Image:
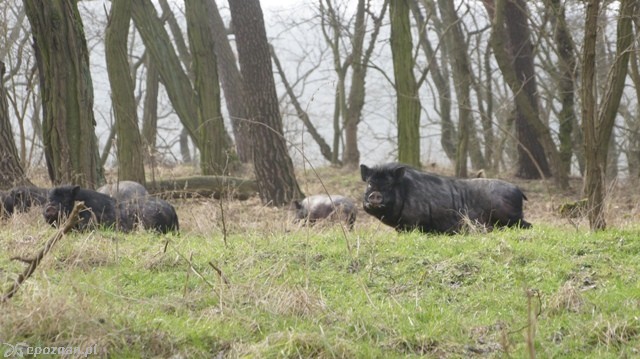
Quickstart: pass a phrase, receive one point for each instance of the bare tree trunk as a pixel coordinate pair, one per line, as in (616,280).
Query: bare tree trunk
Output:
(231,82)
(325,150)
(150,110)
(178,39)
(355,101)
(63,61)
(408,102)
(515,59)
(213,159)
(331,30)
(598,122)
(272,165)
(11,170)
(130,150)
(439,76)
(461,70)
(566,67)
(174,79)
(185,152)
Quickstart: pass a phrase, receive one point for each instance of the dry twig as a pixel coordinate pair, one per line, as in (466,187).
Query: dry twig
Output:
(32,263)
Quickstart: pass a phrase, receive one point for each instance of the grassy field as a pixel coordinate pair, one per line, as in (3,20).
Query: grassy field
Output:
(241,280)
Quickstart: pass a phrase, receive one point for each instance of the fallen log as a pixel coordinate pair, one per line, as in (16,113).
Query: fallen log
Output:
(204,186)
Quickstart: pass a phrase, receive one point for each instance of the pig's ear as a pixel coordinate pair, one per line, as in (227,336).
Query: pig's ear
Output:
(297,204)
(75,190)
(364,172)
(398,173)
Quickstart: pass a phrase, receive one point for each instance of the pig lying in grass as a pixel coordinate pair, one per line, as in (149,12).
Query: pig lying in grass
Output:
(404,198)
(322,206)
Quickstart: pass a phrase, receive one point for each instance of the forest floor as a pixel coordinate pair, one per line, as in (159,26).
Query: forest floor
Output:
(242,280)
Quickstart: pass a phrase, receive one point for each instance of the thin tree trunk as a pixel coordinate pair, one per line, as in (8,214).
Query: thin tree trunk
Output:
(150,111)
(207,87)
(325,150)
(598,122)
(355,101)
(461,70)
(11,170)
(566,66)
(129,143)
(173,77)
(231,82)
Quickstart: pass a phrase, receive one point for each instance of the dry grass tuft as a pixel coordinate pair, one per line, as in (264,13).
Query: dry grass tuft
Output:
(65,319)
(615,333)
(297,345)
(568,298)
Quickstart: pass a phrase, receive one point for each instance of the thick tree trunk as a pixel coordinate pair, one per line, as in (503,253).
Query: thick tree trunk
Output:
(272,165)
(11,170)
(407,100)
(207,87)
(70,143)
(129,143)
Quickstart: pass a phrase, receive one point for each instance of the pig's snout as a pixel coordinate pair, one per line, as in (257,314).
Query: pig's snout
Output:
(375,199)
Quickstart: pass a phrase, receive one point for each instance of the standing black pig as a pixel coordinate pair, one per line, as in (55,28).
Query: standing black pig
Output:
(406,199)
(158,215)
(317,207)
(102,210)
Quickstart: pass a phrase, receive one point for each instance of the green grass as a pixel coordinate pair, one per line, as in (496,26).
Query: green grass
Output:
(300,292)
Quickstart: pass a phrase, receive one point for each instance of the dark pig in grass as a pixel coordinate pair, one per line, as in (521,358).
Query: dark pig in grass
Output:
(158,215)
(23,198)
(6,204)
(406,199)
(102,210)
(321,206)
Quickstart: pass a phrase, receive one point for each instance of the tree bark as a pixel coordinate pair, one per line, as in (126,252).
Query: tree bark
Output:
(205,186)
(172,76)
(129,143)
(325,150)
(407,100)
(150,111)
(511,44)
(11,170)
(207,87)
(355,101)
(461,70)
(70,143)
(272,165)
(231,82)
(598,121)
(566,67)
